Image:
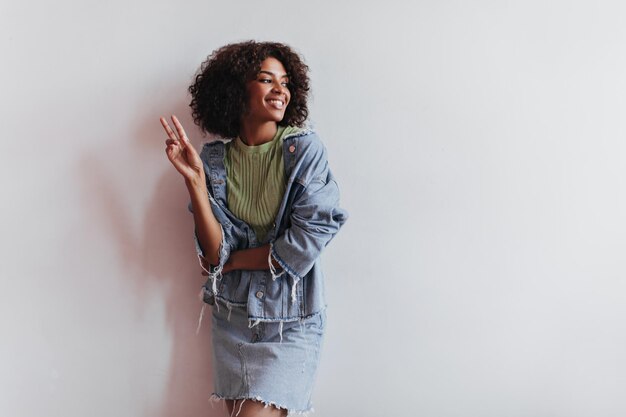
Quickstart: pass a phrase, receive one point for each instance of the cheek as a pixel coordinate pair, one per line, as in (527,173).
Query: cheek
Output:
(256,93)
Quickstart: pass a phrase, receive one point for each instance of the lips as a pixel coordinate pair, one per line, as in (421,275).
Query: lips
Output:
(276,103)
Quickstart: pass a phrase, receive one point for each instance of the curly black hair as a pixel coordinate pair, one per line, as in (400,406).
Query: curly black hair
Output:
(219,94)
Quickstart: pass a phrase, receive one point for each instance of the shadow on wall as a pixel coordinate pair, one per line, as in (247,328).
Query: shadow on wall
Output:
(162,257)
(169,255)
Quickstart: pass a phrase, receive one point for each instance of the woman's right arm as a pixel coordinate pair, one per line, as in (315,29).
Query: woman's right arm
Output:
(207,227)
(187,162)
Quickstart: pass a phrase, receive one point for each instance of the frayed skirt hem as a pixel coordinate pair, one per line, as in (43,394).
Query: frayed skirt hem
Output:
(217,397)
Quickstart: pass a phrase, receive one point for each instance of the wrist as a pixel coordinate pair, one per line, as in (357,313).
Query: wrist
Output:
(233,260)
(196,184)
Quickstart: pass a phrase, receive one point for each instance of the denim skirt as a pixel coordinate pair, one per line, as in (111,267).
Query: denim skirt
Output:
(271,362)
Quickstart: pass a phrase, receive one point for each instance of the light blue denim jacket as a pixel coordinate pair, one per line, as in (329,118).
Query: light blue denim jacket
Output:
(308,218)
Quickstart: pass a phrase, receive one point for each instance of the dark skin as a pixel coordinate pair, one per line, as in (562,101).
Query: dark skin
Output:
(268,99)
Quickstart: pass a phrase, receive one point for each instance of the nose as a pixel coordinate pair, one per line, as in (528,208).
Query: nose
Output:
(277,87)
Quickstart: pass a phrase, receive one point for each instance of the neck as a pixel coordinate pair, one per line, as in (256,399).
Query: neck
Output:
(253,134)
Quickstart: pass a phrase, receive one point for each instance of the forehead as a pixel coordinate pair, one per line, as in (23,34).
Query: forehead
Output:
(273,65)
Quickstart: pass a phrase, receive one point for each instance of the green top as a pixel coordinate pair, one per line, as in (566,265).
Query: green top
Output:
(255,180)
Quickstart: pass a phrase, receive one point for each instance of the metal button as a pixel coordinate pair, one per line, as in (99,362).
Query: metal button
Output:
(292,149)
(259,294)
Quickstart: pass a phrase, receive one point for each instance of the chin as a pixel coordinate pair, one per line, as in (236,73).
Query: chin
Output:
(277,117)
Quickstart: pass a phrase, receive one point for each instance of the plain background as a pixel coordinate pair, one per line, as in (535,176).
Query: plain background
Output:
(479,148)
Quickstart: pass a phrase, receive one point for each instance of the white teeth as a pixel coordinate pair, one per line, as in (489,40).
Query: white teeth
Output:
(277,103)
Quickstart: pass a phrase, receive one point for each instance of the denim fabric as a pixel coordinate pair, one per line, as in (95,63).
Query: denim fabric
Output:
(308,218)
(275,363)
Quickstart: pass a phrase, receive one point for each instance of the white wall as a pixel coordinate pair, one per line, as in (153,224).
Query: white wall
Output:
(479,147)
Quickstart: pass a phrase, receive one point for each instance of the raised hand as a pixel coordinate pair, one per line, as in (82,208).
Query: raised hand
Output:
(181,152)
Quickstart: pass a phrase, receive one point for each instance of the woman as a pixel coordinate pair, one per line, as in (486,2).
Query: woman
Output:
(265,204)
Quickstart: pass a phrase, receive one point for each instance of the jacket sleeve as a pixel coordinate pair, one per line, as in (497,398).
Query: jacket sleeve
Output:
(314,220)
(224,251)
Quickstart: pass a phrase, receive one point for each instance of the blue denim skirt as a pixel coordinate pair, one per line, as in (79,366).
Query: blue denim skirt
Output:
(271,362)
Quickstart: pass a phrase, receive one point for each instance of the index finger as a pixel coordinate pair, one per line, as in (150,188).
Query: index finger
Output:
(168,129)
(179,129)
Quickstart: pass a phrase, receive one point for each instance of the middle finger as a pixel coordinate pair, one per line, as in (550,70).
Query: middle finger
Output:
(179,128)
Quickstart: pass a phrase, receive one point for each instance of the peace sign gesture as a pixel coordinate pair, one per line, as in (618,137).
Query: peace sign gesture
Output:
(182,154)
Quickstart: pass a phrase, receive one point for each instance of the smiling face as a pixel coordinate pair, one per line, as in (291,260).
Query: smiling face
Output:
(268,94)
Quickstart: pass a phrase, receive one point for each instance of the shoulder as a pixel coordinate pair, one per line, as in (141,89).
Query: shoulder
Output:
(306,156)
(214,148)
(305,142)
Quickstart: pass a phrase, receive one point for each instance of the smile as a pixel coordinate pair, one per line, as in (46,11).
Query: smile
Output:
(279,104)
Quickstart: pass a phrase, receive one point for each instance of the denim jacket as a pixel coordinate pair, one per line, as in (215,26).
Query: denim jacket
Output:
(308,218)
